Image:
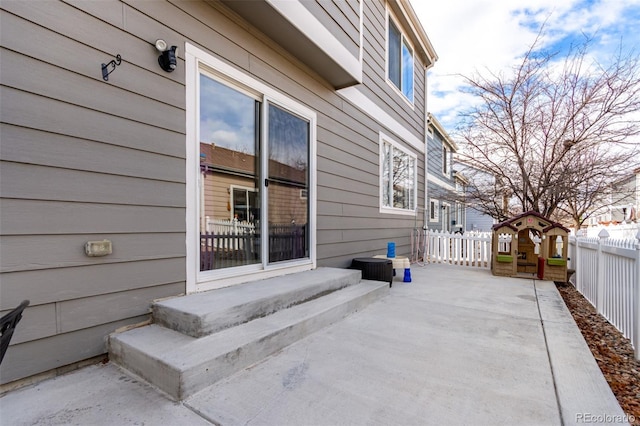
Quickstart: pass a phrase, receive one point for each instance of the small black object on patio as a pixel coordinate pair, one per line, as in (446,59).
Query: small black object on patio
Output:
(374,269)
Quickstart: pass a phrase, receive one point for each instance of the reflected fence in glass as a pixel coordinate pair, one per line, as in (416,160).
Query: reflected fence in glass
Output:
(236,244)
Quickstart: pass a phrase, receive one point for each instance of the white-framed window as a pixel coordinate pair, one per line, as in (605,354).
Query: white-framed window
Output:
(398,178)
(434,207)
(446,160)
(446,216)
(459,213)
(400,62)
(244,203)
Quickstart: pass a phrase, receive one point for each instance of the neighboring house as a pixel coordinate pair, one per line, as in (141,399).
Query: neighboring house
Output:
(625,199)
(302,120)
(445,186)
(476,220)
(623,202)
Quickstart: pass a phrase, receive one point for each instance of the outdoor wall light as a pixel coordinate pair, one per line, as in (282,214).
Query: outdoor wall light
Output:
(167,58)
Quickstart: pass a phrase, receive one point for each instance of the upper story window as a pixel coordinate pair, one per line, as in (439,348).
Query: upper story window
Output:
(400,61)
(398,178)
(446,161)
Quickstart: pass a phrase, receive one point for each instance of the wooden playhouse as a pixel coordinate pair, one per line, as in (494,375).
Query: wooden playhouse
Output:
(530,245)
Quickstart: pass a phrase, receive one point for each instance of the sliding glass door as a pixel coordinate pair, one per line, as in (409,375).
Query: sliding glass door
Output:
(288,185)
(229,176)
(253,153)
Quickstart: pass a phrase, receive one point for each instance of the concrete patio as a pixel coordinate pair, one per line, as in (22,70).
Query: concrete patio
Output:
(455,346)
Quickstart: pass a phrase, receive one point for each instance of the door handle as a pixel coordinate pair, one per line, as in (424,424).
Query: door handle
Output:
(266,183)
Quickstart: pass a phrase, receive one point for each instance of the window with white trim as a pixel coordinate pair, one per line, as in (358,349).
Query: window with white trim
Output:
(434,206)
(398,177)
(446,160)
(399,60)
(459,213)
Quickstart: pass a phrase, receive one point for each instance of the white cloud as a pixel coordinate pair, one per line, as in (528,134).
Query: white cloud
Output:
(489,35)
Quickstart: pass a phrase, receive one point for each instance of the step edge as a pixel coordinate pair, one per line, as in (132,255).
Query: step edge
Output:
(199,325)
(322,319)
(180,381)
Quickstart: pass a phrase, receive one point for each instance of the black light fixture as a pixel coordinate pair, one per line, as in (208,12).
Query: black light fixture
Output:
(167,58)
(113,64)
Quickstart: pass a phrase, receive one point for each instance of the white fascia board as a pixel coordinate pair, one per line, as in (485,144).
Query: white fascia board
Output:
(418,30)
(440,182)
(445,136)
(366,105)
(308,24)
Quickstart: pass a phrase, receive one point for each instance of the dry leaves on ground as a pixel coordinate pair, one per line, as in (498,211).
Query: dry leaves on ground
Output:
(610,348)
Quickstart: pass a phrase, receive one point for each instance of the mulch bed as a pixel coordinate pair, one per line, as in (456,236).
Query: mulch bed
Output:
(610,348)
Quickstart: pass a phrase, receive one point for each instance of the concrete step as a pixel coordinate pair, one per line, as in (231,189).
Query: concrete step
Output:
(181,365)
(201,314)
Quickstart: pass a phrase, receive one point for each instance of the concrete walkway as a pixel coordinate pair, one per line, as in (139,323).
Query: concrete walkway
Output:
(455,346)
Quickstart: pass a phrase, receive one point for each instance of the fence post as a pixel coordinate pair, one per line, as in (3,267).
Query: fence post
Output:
(603,235)
(636,304)
(580,270)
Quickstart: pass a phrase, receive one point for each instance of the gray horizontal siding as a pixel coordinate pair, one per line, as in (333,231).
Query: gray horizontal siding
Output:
(50,183)
(435,160)
(477,221)
(42,286)
(76,314)
(341,19)
(29,252)
(24,359)
(31,75)
(28,217)
(22,145)
(374,71)
(84,159)
(88,160)
(74,29)
(36,112)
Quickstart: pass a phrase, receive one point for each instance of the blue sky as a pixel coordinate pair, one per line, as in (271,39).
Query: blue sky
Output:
(482,35)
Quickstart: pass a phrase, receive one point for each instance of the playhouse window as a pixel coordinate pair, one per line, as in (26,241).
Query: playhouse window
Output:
(504,244)
(556,247)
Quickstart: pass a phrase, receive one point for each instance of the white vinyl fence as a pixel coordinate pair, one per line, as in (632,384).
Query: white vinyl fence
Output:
(608,275)
(469,249)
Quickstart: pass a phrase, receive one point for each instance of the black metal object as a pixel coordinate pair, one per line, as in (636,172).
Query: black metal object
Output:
(8,324)
(168,59)
(374,268)
(113,64)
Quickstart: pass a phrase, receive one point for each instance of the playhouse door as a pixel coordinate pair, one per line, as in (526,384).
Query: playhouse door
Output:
(527,257)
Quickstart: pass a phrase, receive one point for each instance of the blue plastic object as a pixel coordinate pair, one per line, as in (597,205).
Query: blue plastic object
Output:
(391,249)
(407,275)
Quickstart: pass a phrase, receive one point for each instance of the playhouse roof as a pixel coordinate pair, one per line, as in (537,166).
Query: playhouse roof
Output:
(546,226)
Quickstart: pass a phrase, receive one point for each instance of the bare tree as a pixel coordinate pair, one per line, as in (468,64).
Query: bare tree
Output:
(551,132)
